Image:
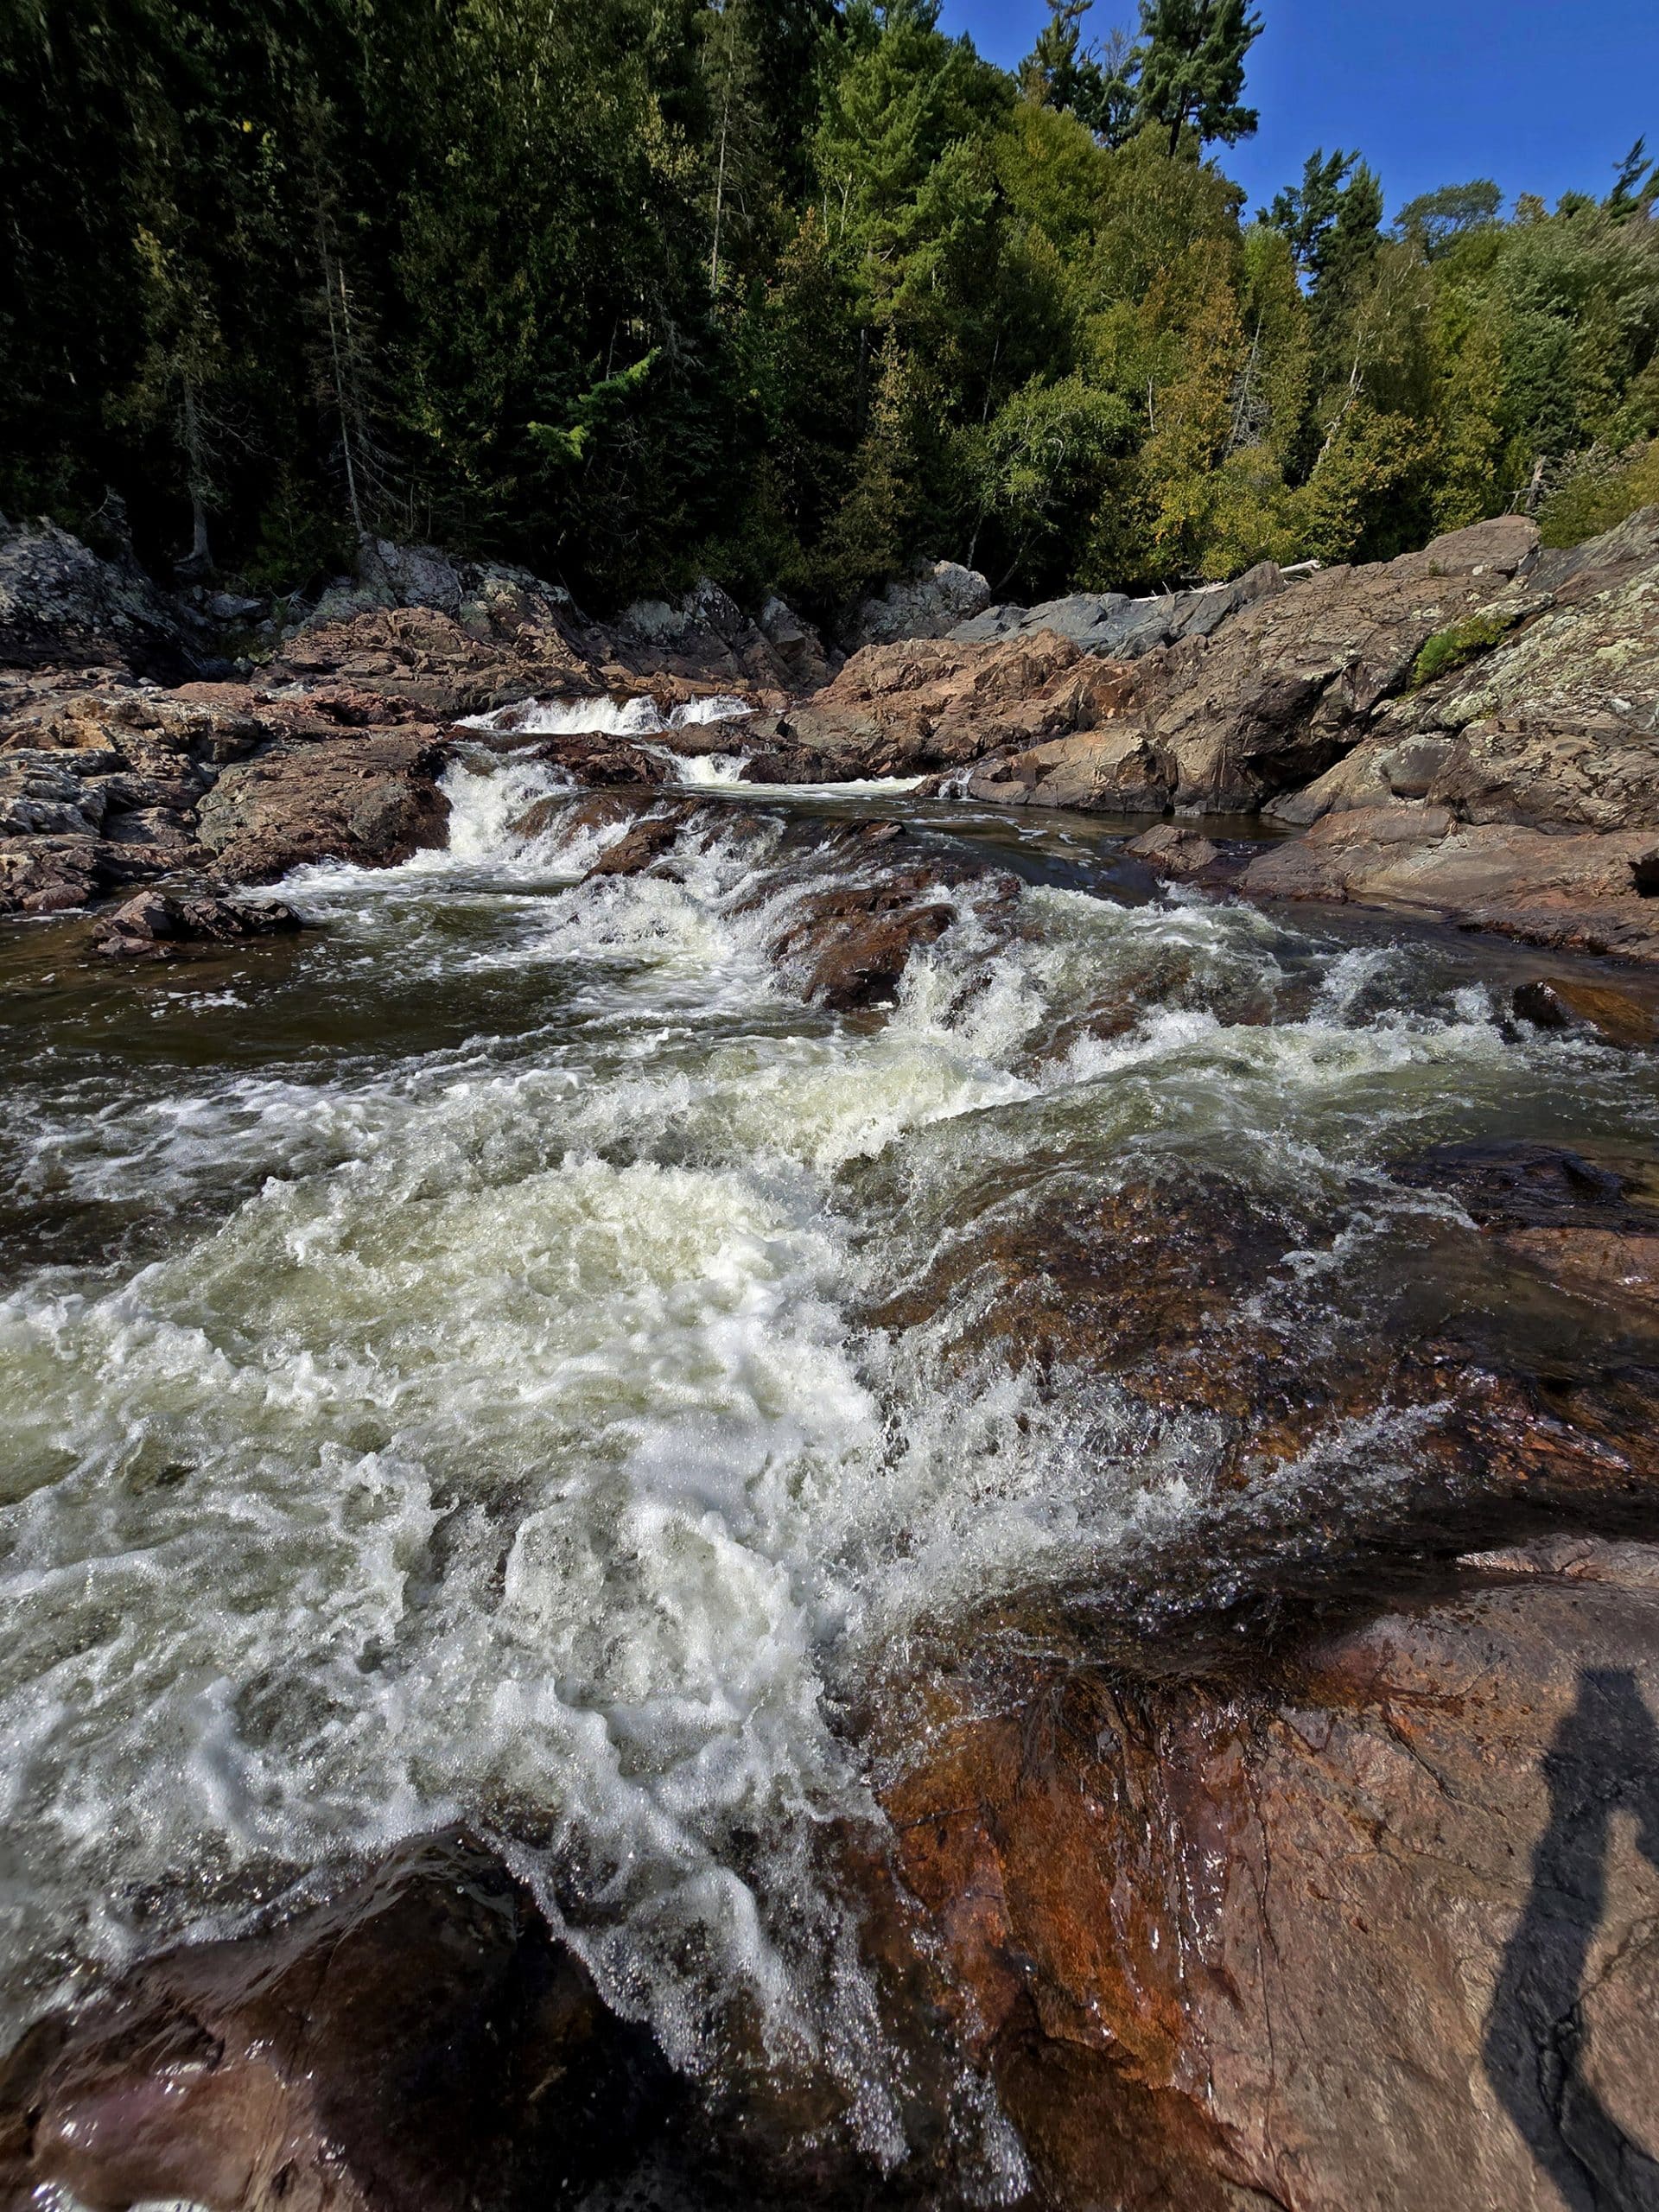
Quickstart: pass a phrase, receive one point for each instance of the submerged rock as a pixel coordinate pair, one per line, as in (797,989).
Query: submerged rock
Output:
(1598,1010)
(1506,1182)
(845,906)
(424,2044)
(161,925)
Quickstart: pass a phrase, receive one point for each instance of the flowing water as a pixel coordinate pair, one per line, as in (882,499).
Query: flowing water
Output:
(476,1363)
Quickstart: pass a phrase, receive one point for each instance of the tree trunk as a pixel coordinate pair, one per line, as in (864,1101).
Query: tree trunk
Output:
(200,557)
(337,354)
(725,127)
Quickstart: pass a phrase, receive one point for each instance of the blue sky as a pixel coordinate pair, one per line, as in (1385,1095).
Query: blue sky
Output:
(1543,95)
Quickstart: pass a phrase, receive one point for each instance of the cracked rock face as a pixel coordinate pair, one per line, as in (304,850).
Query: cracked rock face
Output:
(110,783)
(372,798)
(61,605)
(927,704)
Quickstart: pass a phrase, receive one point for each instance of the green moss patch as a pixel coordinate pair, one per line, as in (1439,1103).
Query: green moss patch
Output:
(1450,649)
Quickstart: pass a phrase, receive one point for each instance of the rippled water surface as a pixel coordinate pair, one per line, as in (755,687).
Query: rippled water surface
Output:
(480,1361)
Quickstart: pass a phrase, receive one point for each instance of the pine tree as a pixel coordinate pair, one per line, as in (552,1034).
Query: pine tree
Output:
(1192,72)
(1635,189)
(1307,213)
(1096,84)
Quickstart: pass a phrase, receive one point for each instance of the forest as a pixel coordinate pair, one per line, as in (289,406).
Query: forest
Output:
(787,292)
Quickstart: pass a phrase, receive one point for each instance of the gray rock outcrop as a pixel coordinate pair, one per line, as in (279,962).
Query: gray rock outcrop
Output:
(62,606)
(929,602)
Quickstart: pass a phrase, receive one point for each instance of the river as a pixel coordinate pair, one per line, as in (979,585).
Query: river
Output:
(504,1358)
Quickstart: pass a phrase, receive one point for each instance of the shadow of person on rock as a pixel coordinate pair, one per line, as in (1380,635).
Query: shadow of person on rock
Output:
(1604,1759)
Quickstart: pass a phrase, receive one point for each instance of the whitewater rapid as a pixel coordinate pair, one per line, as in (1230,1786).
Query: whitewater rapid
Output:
(441,1384)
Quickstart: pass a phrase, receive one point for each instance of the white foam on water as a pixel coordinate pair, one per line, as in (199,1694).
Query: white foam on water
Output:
(601,716)
(596,717)
(703,771)
(719,707)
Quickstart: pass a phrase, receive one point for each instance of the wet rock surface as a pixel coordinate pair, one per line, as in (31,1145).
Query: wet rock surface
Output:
(1466,731)
(426,2041)
(1602,1011)
(1291,1863)
(1583,893)
(1370,1932)
(157,926)
(841,910)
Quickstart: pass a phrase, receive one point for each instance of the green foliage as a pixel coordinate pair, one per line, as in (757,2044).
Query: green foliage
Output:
(1098,85)
(787,291)
(1435,221)
(568,442)
(1464,641)
(1597,498)
(1192,74)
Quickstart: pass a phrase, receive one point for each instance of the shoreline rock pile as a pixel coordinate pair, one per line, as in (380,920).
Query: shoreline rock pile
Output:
(1472,731)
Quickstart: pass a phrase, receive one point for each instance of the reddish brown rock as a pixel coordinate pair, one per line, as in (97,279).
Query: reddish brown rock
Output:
(1586,894)
(932,704)
(428,662)
(159,925)
(1175,852)
(372,800)
(1599,1010)
(49,876)
(424,2046)
(1593,773)
(1278,690)
(1376,1932)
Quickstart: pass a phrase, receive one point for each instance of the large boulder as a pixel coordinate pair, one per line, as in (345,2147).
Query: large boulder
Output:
(797,644)
(1596,773)
(50,875)
(372,798)
(161,925)
(1120,628)
(1376,1930)
(929,602)
(930,704)
(411,576)
(63,607)
(418,661)
(705,633)
(1260,686)
(424,2044)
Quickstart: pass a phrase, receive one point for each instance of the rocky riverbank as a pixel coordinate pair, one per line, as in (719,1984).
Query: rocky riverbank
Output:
(1472,731)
